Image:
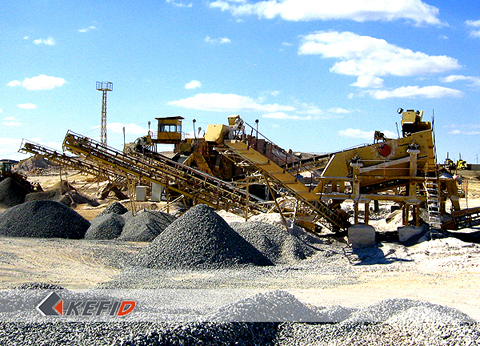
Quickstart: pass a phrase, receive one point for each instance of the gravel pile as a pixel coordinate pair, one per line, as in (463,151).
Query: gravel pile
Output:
(50,195)
(274,306)
(42,219)
(62,192)
(107,226)
(11,193)
(115,207)
(141,334)
(400,310)
(199,239)
(388,322)
(146,225)
(275,242)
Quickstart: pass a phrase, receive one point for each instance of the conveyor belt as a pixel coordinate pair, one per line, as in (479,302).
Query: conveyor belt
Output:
(182,179)
(61,158)
(287,181)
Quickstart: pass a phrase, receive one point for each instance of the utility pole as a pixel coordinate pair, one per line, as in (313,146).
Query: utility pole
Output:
(104,87)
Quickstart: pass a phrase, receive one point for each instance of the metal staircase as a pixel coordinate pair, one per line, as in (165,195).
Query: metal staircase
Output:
(433,204)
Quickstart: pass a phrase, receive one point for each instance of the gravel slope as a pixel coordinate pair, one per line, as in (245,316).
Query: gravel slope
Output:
(42,219)
(199,239)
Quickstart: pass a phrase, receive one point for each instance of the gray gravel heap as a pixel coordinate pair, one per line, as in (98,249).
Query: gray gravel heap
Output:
(11,193)
(115,207)
(199,239)
(50,195)
(388,322)
(42,219)
(146,225)
(141,334)
(274,306)
(390,309)
(275,242)
(107,226)
(62,195)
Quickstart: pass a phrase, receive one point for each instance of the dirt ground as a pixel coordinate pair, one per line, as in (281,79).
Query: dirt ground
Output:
(446,274)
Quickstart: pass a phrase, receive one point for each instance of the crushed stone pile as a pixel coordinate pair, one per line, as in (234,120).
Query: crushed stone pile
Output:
(11,193)
(400,308)
(199,239)
(388,322)
(273,306)
(115,207)
(32,164)
(401,322)
(275,242)
(146,225)
(108,226)
(137,333)
(49,195)
(42,219)
(62,192)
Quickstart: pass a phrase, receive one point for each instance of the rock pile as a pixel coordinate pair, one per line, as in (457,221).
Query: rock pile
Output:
(199,239)
(275,242)
(11,193)
(274,306)
(107,226)
(42,219)
(62,192)
(146,225)
(115,207)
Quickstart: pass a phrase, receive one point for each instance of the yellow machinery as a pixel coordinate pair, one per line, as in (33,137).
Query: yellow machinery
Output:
(401,170)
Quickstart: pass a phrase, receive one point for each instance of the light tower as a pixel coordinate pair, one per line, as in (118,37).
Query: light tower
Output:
(104,87)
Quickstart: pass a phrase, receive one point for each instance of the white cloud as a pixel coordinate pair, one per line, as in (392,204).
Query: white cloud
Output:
(49,41)
(369,56)
(27,106)
(41,82)
(360,134)
(91,27)
(338,110)
(11,123)
(227,102)
(131,128)
(1,110)
(283,116)
(356,10)
(194,84)
(368,82)
(475,33)
(455,78)
(416,91)
(14,83)
(178,4)
(220,40)
(475,24)
(468,133)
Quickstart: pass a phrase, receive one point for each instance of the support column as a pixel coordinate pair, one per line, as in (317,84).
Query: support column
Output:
(367,212)
(356,165)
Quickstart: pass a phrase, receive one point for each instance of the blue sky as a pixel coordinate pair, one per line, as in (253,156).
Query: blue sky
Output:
(320,76)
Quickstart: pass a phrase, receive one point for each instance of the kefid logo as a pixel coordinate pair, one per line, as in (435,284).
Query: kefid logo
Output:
(54,305)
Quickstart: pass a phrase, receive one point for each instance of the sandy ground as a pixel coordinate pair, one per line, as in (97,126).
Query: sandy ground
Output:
(439,271)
